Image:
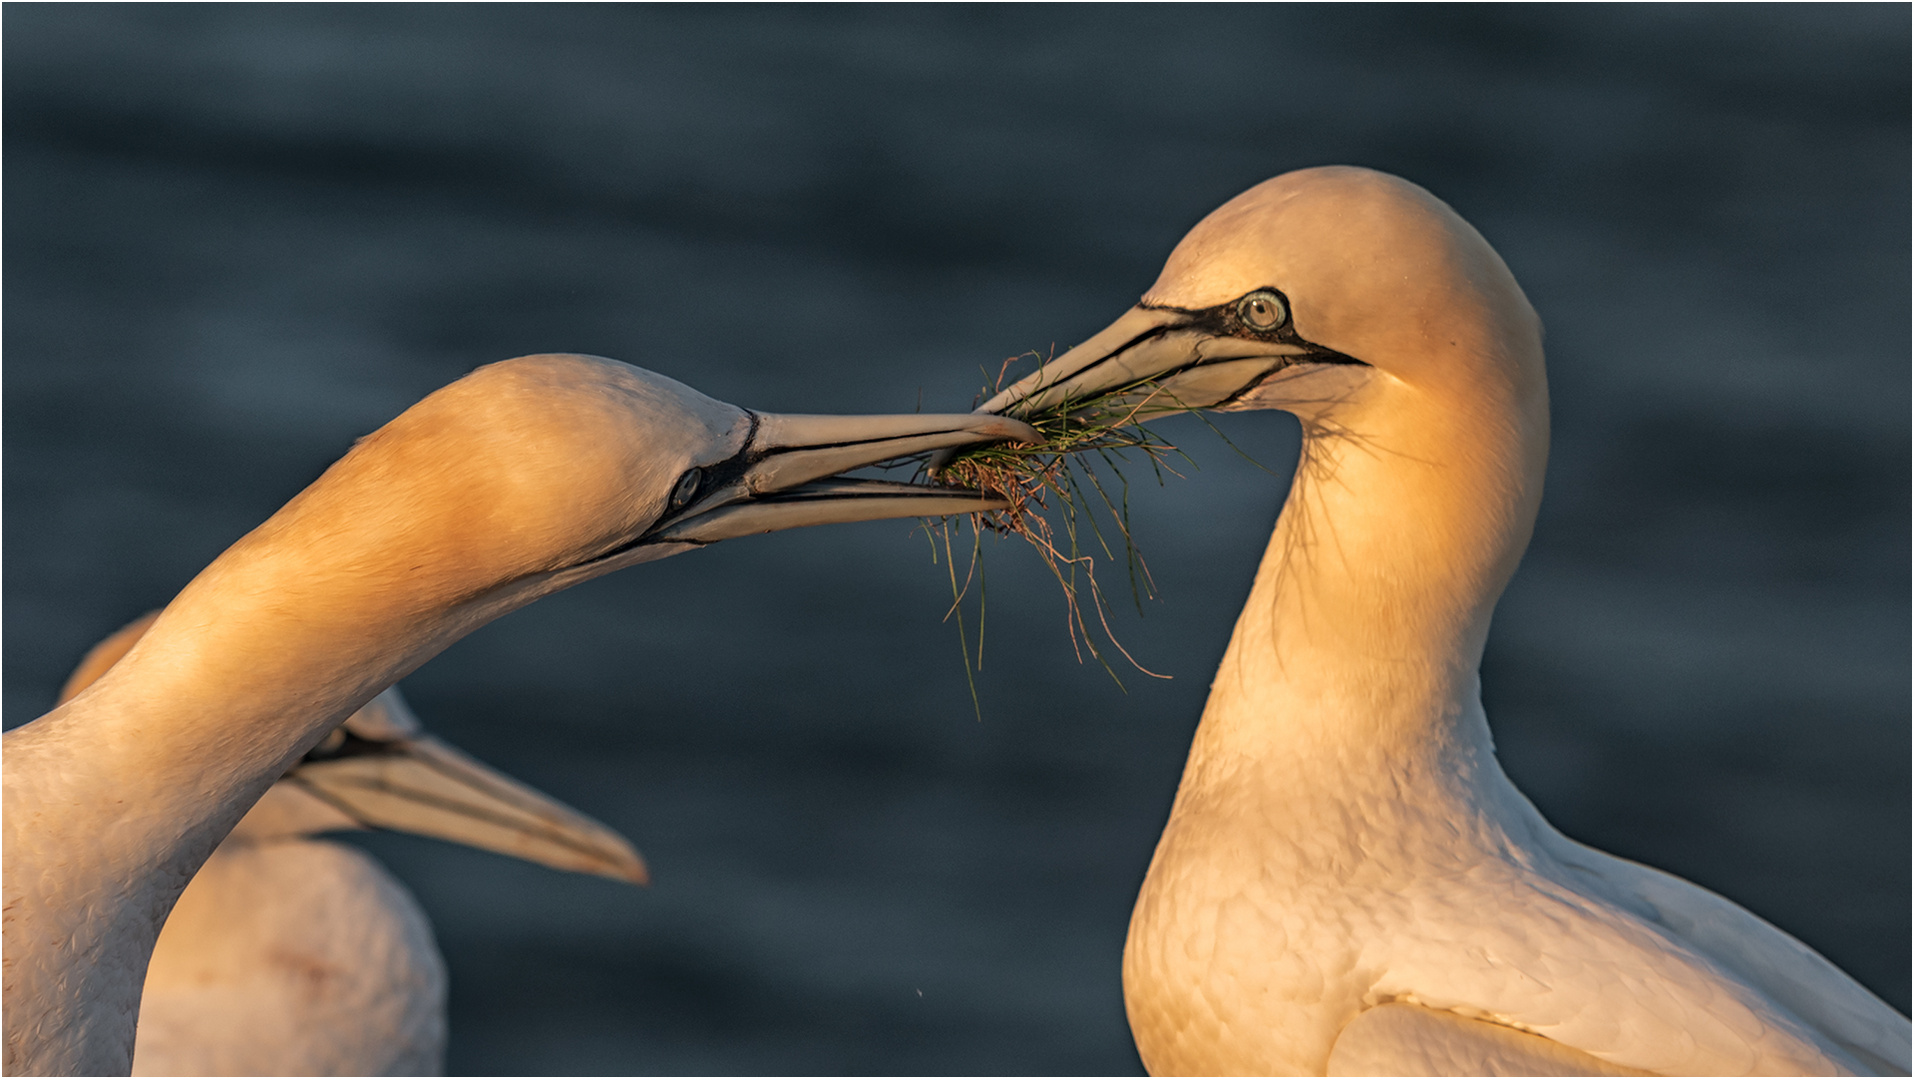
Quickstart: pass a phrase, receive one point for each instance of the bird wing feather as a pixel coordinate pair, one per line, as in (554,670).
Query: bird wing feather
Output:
(1401,1039)
(1631,966)
(1597,978)
(1592,965)
(1789,973)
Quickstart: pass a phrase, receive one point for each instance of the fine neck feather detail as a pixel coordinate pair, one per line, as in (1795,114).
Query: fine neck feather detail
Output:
(1367,620)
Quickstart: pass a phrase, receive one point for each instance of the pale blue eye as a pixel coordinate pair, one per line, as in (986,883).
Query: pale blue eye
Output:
(1262,310)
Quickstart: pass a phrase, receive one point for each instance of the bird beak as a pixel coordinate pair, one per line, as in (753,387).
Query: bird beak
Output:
(421,785)
(789,474)
(1157,360)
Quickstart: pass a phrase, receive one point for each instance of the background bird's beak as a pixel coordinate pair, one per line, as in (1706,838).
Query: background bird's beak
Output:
(789,474)
(1170,356)
(421,785)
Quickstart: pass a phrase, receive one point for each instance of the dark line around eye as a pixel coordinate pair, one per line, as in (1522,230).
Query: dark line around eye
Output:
(1222,320)
(714,477)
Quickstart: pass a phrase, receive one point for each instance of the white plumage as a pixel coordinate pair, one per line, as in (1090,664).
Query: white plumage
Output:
(293,957)
(521,479)
(1348,882)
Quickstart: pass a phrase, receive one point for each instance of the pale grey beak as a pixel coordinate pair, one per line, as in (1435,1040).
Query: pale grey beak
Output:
(788,474)
(418,784)
(1157,360)
(381,771)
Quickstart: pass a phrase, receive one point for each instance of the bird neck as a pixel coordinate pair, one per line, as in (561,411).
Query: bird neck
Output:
(1366,624)
(128,788)
(115,799)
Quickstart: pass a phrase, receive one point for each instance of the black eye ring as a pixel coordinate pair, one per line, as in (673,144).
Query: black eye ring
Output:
(686,488)
(1263,311)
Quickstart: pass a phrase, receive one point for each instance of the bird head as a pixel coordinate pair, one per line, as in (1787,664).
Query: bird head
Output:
(523,478)
(540,472)
(1369,309)
(1324,291)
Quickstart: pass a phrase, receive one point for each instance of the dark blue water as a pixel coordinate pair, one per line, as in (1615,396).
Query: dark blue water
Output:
(239,237)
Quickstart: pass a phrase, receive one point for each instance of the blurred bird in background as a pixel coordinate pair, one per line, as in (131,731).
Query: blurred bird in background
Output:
(291,955)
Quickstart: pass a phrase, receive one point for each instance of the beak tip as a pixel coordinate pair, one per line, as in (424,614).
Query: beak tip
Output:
(1006,428)
(1022,432)
(631,872)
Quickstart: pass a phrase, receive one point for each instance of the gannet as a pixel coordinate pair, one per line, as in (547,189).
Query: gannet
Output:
(523,478)
(289,955)
(1348,882)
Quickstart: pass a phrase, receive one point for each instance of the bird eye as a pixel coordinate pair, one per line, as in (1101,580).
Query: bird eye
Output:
(687,487)
(1262,310)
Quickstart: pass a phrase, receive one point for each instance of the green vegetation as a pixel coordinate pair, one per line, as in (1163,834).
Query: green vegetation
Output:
(1069,498)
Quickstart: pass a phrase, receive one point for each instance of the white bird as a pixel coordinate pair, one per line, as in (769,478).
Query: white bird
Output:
(523,478)
(1348,882)
(290,955)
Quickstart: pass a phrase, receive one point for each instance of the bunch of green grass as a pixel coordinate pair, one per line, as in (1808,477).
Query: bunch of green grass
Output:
(1068,496)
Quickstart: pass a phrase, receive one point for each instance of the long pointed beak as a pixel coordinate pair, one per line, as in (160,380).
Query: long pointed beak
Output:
(421,785)
(1108,359)
(789,474)
(1173,360)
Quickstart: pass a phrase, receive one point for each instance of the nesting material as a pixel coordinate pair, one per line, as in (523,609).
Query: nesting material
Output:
(1068,497)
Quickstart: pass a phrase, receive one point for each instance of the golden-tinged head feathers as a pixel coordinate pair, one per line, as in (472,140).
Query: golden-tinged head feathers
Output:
(1374,267)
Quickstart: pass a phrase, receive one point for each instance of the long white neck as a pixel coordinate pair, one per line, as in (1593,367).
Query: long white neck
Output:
(1357,652)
